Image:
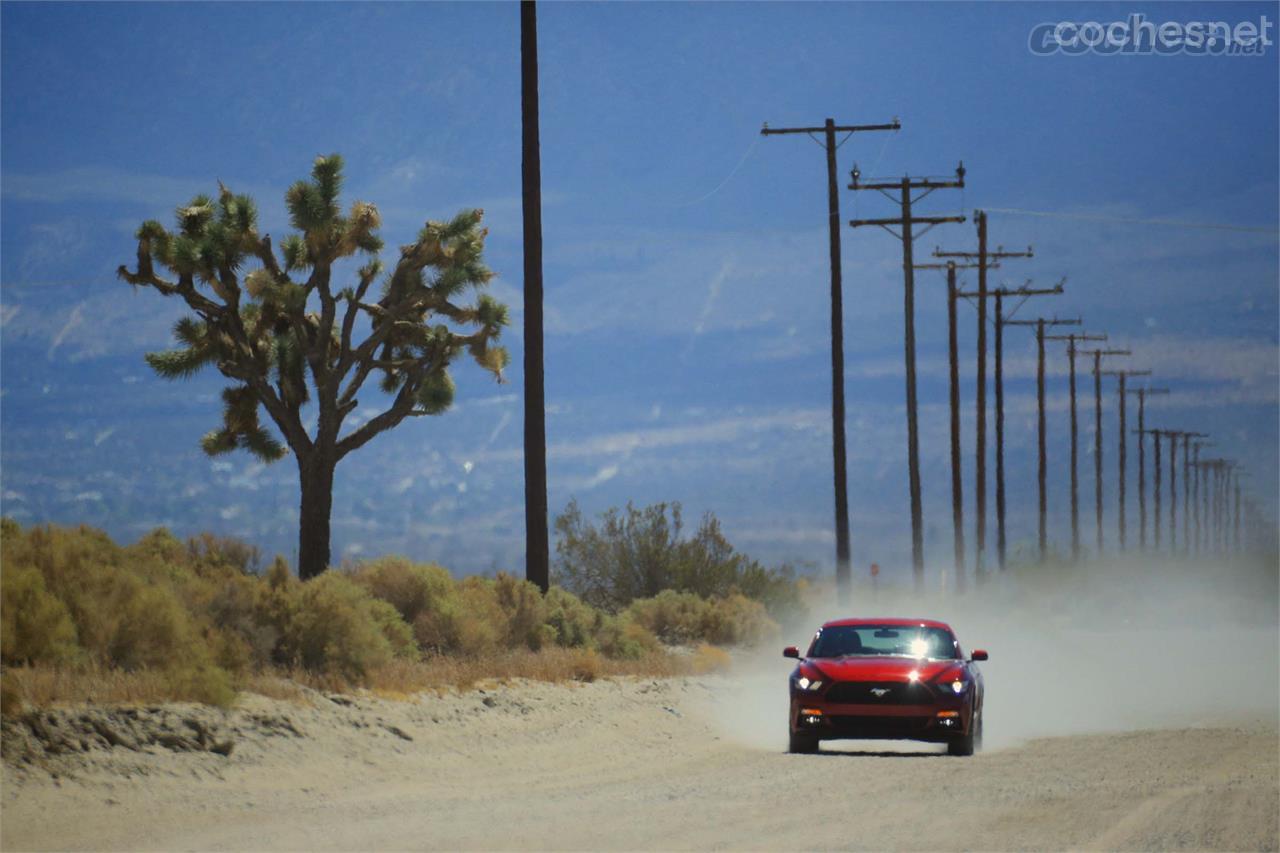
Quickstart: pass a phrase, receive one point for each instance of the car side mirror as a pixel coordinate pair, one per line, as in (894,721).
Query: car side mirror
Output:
(978,654)
(791,652)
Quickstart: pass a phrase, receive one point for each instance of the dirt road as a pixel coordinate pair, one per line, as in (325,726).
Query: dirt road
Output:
(640,765)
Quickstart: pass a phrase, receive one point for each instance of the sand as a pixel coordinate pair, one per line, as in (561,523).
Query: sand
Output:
(626,764)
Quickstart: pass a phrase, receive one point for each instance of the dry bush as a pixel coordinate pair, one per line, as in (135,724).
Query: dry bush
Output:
(336,627)
(552,664)
(43,685)
(707,659)
(34,625)
(679,618)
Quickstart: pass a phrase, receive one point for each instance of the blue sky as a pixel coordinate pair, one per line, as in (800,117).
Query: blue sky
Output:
(686,314)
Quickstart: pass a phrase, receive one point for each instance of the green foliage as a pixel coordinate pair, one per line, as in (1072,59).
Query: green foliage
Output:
(684,618)
(34,625)
(638,553)
(337,627)
(282,341)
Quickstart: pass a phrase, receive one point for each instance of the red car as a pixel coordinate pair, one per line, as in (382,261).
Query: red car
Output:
(886,679)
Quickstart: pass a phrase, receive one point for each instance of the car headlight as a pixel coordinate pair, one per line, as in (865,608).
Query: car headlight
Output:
(958,685)
(805,684)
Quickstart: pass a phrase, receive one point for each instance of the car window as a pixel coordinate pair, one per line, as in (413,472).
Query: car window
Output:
(900,640)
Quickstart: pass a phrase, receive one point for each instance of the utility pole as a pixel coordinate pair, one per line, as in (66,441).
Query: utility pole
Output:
(537,549)
(1001,321)
(905,187)
(1072,352)
(1097,433)
(1042,470)
(1187,440)
(1173,435)
(953,358)
(986,260)
(1142,431)
(840,469)
(1196,446)
(1122,376)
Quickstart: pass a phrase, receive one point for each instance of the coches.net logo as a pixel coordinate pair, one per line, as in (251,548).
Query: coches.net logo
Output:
(1136,36)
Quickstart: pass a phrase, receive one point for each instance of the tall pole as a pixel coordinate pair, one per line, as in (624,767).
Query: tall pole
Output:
(906,221)
(537,554)
(1072,352)
(1097,441)
(1097,434)
(1122,377)
(1157,525)
(909,356)
(1142,394)
(1042,454)
(957,490)
(1173,493)
(1001,322)
(1142,470)
(840,474)
(986,260)
(1186,495)
(999,378)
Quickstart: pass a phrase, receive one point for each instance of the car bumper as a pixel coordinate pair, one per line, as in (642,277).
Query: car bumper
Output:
(935,723)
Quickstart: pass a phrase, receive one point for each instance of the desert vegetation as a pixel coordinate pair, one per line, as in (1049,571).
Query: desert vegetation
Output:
(87,619)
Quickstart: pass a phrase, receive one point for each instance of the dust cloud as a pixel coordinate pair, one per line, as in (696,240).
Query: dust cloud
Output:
(1118,645)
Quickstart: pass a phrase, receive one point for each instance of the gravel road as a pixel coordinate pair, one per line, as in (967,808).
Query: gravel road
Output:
(637,765)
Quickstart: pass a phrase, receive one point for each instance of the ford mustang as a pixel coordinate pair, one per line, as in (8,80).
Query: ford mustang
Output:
(886,679)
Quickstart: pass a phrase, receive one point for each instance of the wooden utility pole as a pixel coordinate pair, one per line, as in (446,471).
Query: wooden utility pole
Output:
(1097,433)
(537,550)
(953,359)
(1042,468)
(840,468)
(1122,376)
(986,260)
(1187,440)
(1142,431)
(1196,447)
(1072,352)
(1174,435)
(905,187)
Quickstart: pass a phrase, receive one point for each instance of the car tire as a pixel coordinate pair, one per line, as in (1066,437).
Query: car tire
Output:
(802,744)
(967,744)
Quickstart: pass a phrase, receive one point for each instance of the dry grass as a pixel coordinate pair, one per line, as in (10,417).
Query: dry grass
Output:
(43,686)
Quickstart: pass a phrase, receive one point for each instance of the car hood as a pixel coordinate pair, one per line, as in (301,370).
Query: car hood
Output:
(875,668)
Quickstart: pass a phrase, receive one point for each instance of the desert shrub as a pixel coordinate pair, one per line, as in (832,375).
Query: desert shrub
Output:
(638,553)
(706,659)
(525,612)
(680,618)
(738,620)
(674,617)
(226,551)
(34,625)
(424,595)
(623,638)
(574,622)
(334,626)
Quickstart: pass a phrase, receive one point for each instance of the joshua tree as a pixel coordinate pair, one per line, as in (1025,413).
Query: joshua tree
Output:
(289,344)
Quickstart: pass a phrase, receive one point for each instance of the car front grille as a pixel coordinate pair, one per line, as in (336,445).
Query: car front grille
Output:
(879,727)
(879,693)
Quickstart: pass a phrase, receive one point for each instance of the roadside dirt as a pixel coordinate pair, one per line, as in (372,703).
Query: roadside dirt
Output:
(613,765)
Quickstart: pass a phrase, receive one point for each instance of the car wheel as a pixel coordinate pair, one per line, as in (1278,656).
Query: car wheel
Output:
(977,737)
(962,745)
(802,743)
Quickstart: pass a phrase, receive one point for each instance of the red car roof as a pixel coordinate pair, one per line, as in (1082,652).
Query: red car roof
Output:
(897,622)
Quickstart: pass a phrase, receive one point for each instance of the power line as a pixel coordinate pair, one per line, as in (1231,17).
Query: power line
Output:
(1135,220)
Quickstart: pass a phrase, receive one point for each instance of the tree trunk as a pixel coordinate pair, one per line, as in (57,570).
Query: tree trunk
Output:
(315,475)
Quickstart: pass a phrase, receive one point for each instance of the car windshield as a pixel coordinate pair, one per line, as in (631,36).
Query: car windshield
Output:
(837,641)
